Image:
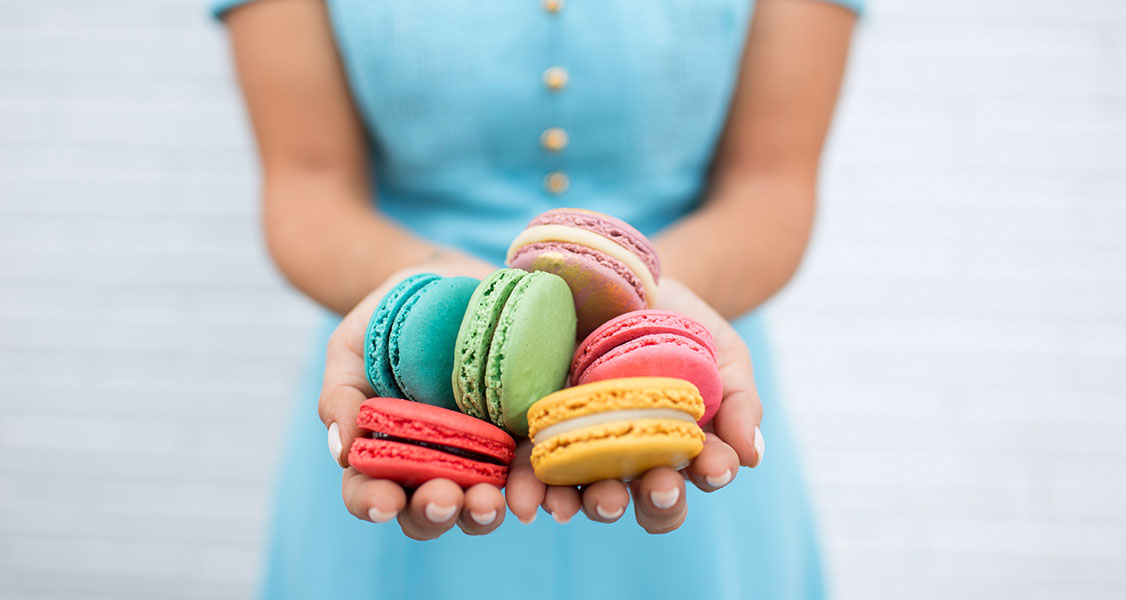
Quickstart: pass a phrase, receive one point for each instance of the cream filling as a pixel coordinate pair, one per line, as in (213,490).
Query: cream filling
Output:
(613,416)
(565,233)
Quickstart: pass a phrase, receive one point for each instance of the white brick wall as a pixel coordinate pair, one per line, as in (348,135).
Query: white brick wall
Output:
(955,347)
(953,351)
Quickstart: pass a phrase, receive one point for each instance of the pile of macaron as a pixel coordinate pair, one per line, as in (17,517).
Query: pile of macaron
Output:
(460,366)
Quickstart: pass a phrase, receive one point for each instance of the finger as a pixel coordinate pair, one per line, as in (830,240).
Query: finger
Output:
(340,406)
(715,466)
(740,411)
(562,502)
(737,420)
(345,383)
(433,509)
(658,500)
(483,511)
(375,500)
(605,501)
(523,491)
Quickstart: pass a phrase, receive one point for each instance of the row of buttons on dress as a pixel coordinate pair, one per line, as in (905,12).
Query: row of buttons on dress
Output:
(554,139)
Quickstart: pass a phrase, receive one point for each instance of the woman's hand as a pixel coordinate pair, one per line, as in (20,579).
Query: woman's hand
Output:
(436,505)
(733,439)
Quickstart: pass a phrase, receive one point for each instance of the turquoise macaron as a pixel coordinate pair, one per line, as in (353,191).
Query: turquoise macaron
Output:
(409,346)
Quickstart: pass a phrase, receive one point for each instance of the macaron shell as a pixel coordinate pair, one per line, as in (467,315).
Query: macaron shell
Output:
(615,394)
(421,348)
(417,421)
(412,466)
(607,226)
(531,348)
(616,451)
(471,349)
(582,237)
(633,325)
(662,355)
(601,286)
(377,367)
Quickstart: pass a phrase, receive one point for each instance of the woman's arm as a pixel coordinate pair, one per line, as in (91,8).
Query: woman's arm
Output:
(325,237)
(320,226)
(757,219)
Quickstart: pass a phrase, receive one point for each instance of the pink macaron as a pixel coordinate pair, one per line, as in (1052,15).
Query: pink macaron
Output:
(610,267)
(412,443)
(652,343)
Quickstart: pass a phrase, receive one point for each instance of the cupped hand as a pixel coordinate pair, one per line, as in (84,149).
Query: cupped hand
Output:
(437,505)
(732,440)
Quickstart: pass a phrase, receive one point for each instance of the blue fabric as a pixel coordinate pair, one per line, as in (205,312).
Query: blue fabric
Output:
(452,96)
(754,538)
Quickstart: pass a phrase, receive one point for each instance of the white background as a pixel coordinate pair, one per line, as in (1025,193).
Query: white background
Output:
(953,352)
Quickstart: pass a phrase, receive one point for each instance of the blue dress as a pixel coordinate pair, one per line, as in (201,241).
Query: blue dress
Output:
(482,115)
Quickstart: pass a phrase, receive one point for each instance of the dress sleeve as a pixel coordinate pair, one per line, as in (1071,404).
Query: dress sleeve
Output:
(220,8)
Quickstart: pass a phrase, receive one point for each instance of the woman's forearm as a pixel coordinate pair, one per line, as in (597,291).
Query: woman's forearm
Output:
(328,242)
(320,227)
(747,240)
(743,245)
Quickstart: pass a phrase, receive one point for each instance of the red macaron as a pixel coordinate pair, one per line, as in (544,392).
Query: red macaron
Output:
(412,443)
(652,343)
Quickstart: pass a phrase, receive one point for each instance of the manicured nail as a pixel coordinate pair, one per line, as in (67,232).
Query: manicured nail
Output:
(484,518)
(378,516)
(439,513)
(722,480)
(664,499)
(529,521)
(560,519)
(610,516)
(760,447)
(335,446)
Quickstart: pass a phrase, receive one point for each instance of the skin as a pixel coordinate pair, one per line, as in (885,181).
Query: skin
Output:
(325,237)
(760,209)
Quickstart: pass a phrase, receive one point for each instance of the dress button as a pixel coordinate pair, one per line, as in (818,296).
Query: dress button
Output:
(555,78)
(552,6)
(554,139)
(556,182)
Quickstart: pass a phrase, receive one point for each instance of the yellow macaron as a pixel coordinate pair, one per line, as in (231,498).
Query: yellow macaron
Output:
(615,429)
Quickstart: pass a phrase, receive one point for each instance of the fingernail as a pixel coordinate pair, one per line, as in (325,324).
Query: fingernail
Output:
(483,518)
(559,519)
(378,516)
(760,446)
(664,499)
(528,521)
(439,513)
(335,446)
(610,516)
(722,480)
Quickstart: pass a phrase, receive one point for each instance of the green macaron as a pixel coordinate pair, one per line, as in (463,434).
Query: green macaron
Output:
(514,346)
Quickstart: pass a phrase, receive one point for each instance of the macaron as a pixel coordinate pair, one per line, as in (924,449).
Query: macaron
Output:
(408,350)
(610,267)
(412,443)
(513,347)
(652,343)
(615,429)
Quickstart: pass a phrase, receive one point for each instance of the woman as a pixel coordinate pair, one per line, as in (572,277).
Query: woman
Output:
(398,137)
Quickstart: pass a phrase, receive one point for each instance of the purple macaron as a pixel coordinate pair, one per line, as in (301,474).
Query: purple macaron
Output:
(610,267)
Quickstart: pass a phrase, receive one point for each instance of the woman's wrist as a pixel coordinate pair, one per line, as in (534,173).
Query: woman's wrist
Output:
(451,262)
(340,252)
